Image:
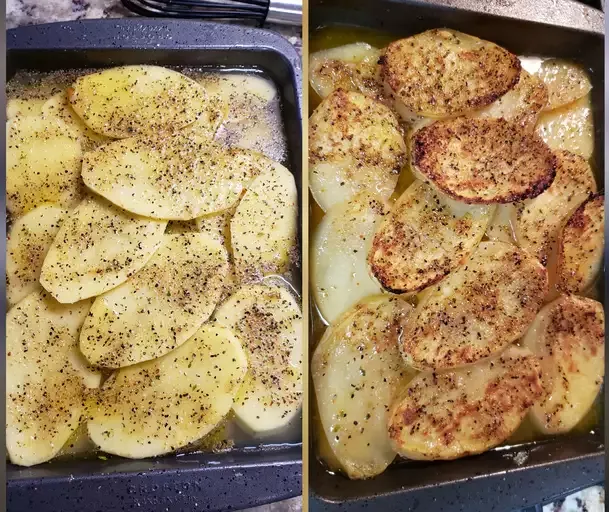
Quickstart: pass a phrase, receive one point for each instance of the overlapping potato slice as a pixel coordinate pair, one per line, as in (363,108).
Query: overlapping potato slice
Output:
(268,321)
(98,247)
(478,310)
(501,228)
(29,240)
(357,373)
(569,128)
(352,67)
(24,107)
(565,81)
(264,228)
(424,237)
(483,161)
(441,73)
(159,406)
(568,337)
(521,105)
(464,411)
(160,307)
(540,219)
(355,144)
(339,251)
(46,380)
(139,100)
(177,178)
(43,162)
(581,245)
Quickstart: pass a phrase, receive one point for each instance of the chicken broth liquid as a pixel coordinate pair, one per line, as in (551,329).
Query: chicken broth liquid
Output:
(254,121)
(331,37)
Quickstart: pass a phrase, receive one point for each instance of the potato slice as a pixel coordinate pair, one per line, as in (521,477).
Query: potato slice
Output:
(264,228)
(483,161)
(45,386)
(139,100)
(352,67)
(539,220)
(159,406)
(98,247)
(339,250)
(29,240)
(24,107)
(424,237)
(441,73)
(160,307)
(569,128)
(568,336)
(565,81)
(464,411)
(43,161)
(355,144)
(59,106)
(478,310)
(501,228)
(357,373)
(268,321)
(581,246)
(522,105)
(177,178)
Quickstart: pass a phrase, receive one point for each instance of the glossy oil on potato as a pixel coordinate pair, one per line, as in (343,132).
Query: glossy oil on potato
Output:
(566,82)
(477,310)
(464,411)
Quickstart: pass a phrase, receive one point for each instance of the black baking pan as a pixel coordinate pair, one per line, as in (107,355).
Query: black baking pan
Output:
(237,479)
(507,478)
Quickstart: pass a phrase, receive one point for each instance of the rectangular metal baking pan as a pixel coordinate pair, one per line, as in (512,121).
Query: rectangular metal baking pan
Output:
(503,479)
(238,479)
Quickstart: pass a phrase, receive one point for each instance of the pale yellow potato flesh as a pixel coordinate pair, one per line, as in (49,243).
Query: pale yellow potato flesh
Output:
(46,382)
(464,411)
(161,405)
(160,307)
(98,247)
(125,101)
(43,163)
(181,177)
(339,251)
(268,321)
(24,107)
(501,228)
(357,373)
(568,337)
(28,242)
(566,82)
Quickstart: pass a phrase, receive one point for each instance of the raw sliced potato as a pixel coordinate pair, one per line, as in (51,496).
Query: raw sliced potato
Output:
(24,107)
(45,386)
(485,161)
(441,73)
(425,236)
(160,307)
(352,67)
(565,81)
(161,405)
(339,251)
(464,411)
(268,321)
(43,162)
(59,106)
(125,101)
(216,225)
(355,144)
(357,373)
(98,247)
(28,242)
(569,128)
(568,337)
(522,105)
(477,311)
(177,178)
(264,227)
(581,245)
(501,228)
(539,220)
